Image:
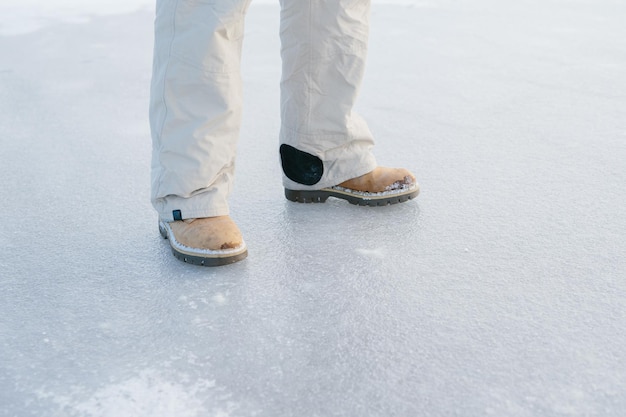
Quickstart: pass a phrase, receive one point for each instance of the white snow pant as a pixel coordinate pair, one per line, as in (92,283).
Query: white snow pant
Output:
(196,99)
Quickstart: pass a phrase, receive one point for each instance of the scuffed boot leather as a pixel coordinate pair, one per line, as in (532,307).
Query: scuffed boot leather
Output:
(381,179)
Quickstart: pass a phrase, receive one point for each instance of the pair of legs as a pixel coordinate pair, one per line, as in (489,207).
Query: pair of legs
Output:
(195,115)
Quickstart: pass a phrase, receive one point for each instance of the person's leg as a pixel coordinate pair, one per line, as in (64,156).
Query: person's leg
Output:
(323,142)
(195,114)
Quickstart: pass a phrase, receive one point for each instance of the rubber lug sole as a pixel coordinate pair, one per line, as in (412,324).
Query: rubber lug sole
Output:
(320,196)
(214,259)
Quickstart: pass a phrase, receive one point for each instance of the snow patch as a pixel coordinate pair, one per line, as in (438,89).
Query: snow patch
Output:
(371,253)
(148,394)
(219,299)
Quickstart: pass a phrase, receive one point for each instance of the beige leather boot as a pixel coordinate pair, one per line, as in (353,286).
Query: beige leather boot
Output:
(380,187)
(209,241)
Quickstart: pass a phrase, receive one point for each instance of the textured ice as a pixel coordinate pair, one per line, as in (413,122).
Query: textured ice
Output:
(499,291)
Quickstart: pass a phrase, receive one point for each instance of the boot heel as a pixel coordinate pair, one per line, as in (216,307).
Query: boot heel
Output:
(306,196)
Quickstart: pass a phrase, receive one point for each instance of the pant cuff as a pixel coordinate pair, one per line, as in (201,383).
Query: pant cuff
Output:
(172,208)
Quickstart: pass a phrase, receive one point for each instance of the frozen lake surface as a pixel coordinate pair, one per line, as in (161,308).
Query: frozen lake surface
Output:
(500,291)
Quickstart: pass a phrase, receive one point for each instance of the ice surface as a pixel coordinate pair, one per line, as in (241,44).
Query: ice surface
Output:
(499,291)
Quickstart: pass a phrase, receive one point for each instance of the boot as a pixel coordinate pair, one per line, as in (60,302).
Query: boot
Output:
(379,187)
(209,241)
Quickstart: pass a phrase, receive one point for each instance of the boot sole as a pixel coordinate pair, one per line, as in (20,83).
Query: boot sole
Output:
(200,256)
(353,197)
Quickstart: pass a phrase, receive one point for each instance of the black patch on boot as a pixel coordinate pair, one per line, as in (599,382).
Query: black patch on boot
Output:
(301,167)
(177,214)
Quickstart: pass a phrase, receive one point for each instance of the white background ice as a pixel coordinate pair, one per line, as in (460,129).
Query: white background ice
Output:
(500,291)
(23,16)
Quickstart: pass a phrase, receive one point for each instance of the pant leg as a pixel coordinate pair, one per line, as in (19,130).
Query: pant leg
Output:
(195,105)
(324,45)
